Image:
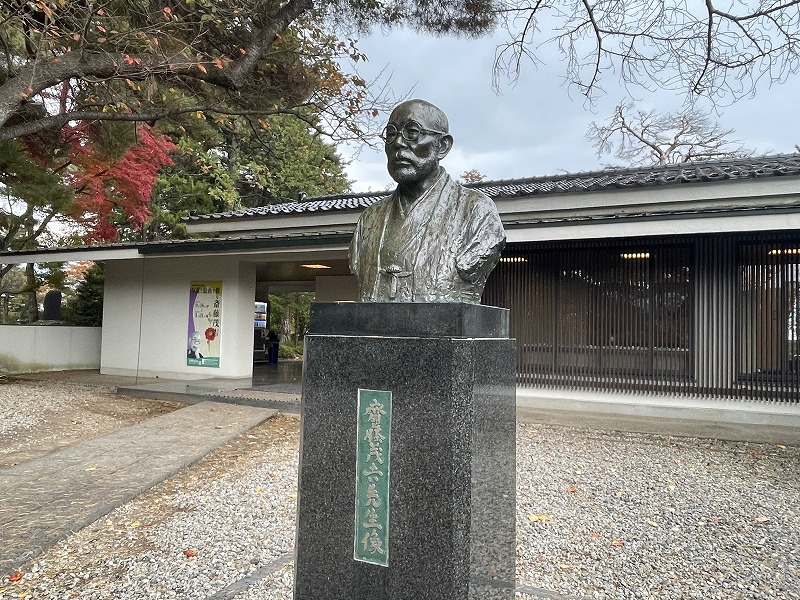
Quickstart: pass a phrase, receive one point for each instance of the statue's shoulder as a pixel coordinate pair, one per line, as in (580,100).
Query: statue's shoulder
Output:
(475,193)
(377,207)
(475,198)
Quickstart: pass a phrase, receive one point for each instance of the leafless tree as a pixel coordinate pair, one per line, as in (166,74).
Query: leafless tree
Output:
(648,138)
(719,51)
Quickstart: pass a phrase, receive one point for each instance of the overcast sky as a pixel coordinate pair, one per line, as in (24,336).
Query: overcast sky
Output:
(538,126)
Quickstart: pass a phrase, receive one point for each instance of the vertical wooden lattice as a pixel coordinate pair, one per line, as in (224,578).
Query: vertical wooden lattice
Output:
(713,316)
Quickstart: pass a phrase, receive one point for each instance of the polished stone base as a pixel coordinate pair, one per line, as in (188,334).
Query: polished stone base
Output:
(452,479)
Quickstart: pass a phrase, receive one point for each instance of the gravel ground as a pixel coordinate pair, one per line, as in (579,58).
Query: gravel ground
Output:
(38,417)
(599,515)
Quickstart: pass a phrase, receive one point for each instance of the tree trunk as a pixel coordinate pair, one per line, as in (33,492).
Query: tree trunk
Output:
(287,325)
(31,302)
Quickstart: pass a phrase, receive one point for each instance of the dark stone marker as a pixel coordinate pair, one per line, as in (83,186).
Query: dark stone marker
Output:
(52,306)
(451,488)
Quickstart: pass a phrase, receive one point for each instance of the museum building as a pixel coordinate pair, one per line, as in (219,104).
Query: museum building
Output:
(676,281)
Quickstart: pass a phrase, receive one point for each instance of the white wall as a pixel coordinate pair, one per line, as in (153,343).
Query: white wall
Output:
(32,348)
(145,314)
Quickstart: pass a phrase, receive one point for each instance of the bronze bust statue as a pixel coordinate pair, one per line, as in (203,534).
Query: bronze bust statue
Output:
(432,240)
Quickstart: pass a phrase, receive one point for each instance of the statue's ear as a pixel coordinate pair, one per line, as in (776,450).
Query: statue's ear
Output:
(445,144)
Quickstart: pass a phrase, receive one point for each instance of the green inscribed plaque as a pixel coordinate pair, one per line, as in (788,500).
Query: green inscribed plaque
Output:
(373,446)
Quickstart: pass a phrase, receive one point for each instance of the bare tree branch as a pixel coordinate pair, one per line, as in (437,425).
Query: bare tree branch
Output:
(639,138)
(671,44)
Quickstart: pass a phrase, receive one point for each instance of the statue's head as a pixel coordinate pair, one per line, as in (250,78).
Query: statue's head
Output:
(416,138)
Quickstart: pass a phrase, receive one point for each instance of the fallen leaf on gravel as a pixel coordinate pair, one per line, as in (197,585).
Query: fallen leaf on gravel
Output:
(596,535)
(762,519)
(190,552)
(135,524)
(15,576)
(259,489)
(652,524)
(617,543)
(781,446)
(538,518)
(572,489)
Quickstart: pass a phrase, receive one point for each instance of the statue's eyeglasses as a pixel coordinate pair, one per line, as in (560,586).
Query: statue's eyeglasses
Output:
(410,132)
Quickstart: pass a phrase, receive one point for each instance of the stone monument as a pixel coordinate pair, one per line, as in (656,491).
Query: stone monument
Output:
(52,306)
(407,473)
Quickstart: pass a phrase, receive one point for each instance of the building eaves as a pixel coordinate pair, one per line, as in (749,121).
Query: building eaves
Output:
(85,247)
(653,215)
(248,242)
(609,179)
(239,242)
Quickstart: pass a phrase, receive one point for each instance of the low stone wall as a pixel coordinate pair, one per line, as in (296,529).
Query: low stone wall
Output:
(33,348)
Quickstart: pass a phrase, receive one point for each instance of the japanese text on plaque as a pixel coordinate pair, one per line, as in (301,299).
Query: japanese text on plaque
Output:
(373,445)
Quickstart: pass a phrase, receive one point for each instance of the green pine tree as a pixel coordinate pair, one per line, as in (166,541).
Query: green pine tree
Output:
(86,307)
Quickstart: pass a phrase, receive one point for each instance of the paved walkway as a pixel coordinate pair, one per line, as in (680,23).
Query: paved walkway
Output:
(45,500)
(279,386)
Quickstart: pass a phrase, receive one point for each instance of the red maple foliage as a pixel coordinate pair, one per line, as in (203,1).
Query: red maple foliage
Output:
(109,190)
(75,271)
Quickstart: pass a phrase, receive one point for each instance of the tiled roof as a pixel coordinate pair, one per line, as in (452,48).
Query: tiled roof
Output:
(700,172)
(320,204)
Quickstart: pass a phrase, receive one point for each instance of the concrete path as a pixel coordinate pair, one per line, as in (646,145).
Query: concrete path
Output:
(45,500)
(279,386)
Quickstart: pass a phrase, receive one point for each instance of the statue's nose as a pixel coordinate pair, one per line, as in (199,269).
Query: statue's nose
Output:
(399,140)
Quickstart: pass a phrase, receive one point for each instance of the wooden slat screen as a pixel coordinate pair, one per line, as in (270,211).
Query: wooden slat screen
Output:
(714,316)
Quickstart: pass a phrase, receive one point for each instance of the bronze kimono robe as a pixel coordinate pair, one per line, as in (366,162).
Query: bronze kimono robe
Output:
(442,250)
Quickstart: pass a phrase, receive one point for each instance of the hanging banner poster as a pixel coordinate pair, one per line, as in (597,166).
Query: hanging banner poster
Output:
(205,308)
(373,453)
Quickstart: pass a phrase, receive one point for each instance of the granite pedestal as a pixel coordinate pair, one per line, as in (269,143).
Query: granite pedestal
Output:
(451,481)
